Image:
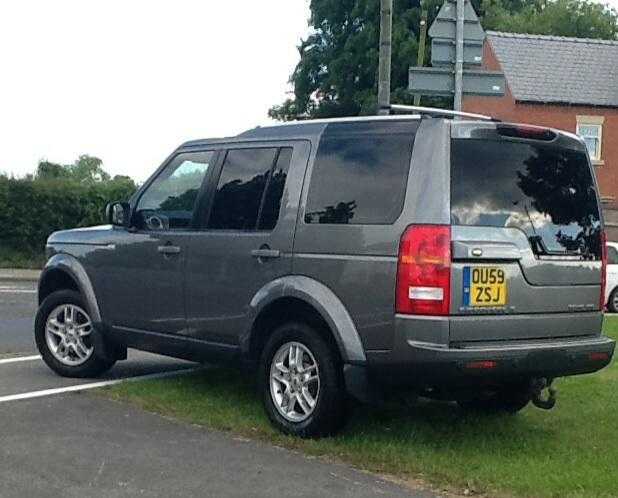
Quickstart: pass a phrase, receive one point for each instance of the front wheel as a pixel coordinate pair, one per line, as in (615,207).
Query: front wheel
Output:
(65,336)
(301,382)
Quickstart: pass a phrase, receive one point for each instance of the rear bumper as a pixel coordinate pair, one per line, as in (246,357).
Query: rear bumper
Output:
(426,364)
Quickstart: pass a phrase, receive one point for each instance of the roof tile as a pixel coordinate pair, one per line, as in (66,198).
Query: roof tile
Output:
(557,69)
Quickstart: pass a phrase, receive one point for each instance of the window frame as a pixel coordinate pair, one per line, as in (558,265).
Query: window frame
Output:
(199,202)
(592,121)
(208,194)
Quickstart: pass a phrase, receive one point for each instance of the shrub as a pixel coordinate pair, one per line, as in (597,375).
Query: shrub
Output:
(30,209)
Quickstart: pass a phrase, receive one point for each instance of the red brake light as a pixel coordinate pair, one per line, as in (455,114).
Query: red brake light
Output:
(424,270)
(603,269)
(526,131)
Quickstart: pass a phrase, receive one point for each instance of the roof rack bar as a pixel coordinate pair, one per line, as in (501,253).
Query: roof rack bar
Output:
(434,111)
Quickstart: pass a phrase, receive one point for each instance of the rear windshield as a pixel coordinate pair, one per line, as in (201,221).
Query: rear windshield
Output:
(545,191)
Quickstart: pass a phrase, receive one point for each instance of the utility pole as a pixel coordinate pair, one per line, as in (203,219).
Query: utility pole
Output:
(459,55)
(384,65)
(420,60)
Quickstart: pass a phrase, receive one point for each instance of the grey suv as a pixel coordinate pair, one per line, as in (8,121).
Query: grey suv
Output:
(461,259)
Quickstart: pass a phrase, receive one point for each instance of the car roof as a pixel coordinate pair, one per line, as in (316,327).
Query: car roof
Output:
(306,129)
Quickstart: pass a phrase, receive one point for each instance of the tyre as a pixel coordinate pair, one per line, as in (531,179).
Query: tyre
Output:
(612,302)
(301,382)
(507,399)
(66,338)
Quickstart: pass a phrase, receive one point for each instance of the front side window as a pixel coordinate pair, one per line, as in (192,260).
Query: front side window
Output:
(360,173)
(250,189)
(590,129)
(170,201)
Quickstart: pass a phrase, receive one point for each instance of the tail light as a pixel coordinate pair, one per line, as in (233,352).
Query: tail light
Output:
(526,131)
(603,269)
(424,270)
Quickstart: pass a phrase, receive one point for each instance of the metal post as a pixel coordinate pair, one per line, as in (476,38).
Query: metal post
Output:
(459,55)
(384,68)
(420,61)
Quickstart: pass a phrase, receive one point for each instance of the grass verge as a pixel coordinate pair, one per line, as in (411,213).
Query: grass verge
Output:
(571,451)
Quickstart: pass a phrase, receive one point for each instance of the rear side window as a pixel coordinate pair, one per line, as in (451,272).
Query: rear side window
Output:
(360,173)
(545,191)
(250,189)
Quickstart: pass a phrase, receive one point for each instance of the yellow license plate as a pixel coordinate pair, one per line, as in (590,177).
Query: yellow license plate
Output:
(484,286)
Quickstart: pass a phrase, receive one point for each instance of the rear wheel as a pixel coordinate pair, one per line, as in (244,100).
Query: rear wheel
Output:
(66,338)
(301,382)
(506,399)
(612,303)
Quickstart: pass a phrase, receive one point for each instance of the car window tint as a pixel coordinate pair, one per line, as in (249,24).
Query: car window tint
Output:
(240,188)
(546,191)
(612,255)
(271,204)
(360,173)
(170,200)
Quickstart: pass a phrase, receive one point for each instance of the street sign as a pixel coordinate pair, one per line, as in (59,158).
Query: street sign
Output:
(441,82)
(456,60)
(443,52)
(445,24)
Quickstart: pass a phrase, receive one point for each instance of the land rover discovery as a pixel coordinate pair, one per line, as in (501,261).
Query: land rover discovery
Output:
(462,259)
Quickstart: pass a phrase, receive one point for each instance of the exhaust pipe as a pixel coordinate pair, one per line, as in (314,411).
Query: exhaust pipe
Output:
(537,386)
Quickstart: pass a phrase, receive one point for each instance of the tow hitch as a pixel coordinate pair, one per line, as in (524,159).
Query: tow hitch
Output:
(537,386)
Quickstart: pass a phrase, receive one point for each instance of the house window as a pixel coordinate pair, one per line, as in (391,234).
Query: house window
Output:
(590,128)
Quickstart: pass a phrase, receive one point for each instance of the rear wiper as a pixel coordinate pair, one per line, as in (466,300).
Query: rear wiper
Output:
(540,249)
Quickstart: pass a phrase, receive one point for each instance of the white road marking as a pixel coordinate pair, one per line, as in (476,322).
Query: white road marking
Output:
(18,359)
(95,385)
(17,291)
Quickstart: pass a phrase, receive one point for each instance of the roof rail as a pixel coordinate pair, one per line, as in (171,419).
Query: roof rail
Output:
(434,111)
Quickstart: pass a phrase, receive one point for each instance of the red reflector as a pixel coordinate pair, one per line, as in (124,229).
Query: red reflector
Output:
(603,269)
(598,356)
(482,365)
(424,270)
(526,131)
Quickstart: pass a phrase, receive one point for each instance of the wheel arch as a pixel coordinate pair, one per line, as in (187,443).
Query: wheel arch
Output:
(301,297)
(63,271)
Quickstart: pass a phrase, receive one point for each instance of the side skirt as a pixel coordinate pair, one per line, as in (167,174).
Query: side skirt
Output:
(176,346)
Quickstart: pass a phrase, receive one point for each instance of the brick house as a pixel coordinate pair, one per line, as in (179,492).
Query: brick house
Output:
(566,83)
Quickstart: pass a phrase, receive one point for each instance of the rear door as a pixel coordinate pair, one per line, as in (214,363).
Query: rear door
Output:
(245,240)
(526,235)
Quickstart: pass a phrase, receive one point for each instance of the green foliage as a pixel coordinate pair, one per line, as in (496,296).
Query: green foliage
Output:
(578,18)
(86,169)
(338,71)
(59,197)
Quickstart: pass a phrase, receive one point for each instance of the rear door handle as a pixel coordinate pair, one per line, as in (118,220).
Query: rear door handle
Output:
(168,250)
(266,253)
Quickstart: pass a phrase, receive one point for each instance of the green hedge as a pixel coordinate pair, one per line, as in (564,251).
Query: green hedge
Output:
(30,210)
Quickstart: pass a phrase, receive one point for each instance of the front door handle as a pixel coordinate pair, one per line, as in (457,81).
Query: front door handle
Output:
(169,250)
(265,253)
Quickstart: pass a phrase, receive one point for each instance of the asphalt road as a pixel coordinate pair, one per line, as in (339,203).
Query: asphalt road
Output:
(58,443)
(17,308)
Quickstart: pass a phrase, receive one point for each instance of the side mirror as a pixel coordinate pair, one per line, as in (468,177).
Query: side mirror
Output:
(118,214)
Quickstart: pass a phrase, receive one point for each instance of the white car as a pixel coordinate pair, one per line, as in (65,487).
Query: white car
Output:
(611,289)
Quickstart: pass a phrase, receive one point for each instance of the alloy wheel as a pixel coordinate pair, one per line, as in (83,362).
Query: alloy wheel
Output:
(294,381)
(67,333)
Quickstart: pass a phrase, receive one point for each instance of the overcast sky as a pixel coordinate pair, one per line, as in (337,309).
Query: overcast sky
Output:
(129,80)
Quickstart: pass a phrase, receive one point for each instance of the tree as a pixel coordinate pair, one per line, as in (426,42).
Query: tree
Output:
(578,18)
(337,73)
(85,169)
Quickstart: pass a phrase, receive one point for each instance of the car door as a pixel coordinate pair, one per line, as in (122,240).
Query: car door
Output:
(144,282)
(247,236)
